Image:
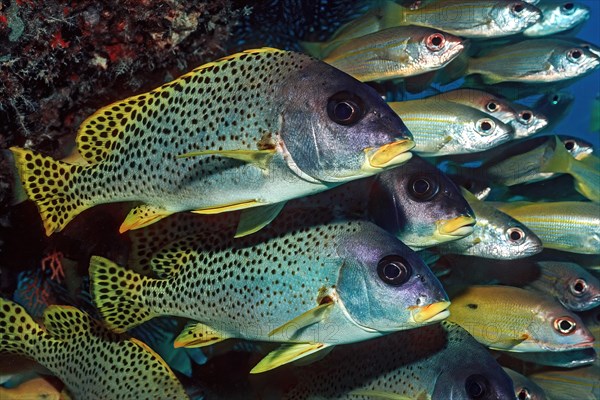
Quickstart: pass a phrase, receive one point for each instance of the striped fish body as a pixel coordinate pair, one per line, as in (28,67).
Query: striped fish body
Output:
(443,127)
(92,362)
(569,226)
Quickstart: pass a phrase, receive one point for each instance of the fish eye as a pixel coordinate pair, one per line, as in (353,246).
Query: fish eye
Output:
(565,325)
(515,235)
(476,386)
(567,8)
(578,287)
(422,188)
(570,145)
(574,55)
(393,270)
(436,42)
(517,8)
(486,126)
(491,106)
(526,117)
(524,394)
(344,108)
(555,99)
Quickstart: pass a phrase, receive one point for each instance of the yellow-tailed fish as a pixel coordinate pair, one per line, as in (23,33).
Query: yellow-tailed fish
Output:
(397,52)
(514,319)
(568,225)
(468,18)
(253,129)
(558,17)
(585,172)
(574,384)
(568,283)
(33,389)
(525,161)
(495,235)
(437,362)
(289,283)
(443,127)
(534,61)
(91,361)
(525,389)
(524,122)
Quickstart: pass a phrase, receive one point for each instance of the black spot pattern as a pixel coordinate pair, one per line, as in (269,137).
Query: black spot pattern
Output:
(92,362)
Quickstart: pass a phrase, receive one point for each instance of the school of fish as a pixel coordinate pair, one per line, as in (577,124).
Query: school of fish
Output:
(388,215)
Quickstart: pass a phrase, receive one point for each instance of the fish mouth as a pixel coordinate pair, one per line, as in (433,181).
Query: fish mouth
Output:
(388,155)
(459,226)
(431,313)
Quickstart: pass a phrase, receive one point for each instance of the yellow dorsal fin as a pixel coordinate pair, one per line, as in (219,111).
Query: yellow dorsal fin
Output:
(102,132)
(196,334)
(286,354)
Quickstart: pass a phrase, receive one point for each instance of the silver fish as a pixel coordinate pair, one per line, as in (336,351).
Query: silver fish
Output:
(558,17)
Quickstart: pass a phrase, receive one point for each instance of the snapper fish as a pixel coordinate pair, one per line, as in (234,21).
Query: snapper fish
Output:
(523,121)
(534,61)
(310,288)
(558,17)
(437,362)
(397,52)
(444,128)
(91,361)
(514,319)
(495,235)
(253,129)
(465,18)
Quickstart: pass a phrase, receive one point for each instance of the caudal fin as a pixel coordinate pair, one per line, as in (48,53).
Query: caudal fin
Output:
(18,331)
(49,183)
(117,293)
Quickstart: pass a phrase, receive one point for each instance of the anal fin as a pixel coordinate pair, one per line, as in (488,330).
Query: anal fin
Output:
(285,354)
(196,334)
(254,219)
(142,216)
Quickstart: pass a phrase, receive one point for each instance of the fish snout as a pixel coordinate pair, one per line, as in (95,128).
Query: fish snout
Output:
(459,226)
(388,155)
(430,313)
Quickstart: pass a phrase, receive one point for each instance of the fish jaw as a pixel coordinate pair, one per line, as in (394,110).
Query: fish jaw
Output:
(456,227)
(430,313)
(387,156)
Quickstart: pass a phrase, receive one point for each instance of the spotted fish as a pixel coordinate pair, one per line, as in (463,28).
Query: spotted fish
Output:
(311,288)
(253,129)
(437,362)
(92,362)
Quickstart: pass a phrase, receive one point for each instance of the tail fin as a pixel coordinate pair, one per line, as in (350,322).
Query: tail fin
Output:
(117,293)
(49,184)
(18,331)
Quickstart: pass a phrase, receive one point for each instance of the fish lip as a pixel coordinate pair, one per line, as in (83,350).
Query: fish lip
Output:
(430,313)
(459,226)
(388,155)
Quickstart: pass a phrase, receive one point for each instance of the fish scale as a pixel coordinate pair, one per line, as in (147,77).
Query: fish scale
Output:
(232,134)
(91,361)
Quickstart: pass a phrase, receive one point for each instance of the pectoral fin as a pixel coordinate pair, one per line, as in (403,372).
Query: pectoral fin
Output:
(254,219)
(142,216)
(199,335)
(260,158)
(242,205)
(305,319)
(507,344)
(285,354)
